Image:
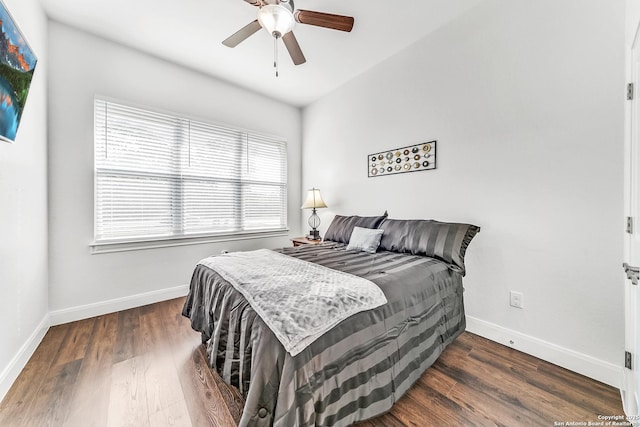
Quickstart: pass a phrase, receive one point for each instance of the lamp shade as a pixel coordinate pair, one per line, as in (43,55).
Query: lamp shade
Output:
(276,19)
(313,200)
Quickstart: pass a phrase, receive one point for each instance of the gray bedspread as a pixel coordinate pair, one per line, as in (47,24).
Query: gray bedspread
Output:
(298,300)
(355,371)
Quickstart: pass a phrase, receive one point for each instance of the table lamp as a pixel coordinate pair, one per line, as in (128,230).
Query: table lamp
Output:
(314,201)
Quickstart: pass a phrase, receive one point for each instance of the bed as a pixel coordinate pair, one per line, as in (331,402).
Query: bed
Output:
(361,366)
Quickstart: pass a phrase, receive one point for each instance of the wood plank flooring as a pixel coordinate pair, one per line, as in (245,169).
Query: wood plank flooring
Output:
(146,367)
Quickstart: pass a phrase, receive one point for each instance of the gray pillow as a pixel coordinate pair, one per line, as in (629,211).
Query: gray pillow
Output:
(442,240)
(341,227)
(365,239)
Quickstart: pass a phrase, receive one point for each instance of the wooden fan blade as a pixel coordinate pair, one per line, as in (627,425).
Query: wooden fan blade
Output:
(326,20)
(242,34)
(293,47)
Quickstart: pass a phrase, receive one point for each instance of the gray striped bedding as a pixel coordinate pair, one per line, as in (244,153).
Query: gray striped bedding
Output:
(355,371)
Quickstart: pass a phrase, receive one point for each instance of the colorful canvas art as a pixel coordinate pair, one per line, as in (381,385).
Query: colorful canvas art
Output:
(17,63)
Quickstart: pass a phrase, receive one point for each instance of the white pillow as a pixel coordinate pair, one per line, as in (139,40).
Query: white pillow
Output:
(365,239)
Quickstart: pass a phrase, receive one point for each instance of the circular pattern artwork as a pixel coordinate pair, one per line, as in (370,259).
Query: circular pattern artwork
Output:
(402,160)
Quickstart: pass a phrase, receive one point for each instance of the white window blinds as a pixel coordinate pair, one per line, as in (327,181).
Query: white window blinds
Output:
(162,177)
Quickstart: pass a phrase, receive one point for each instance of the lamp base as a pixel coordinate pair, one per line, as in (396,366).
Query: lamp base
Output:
(314,235)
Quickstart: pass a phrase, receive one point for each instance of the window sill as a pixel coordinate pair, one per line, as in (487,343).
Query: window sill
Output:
(142,244)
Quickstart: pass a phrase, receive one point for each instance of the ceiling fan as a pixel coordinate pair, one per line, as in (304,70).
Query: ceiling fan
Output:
(278,17)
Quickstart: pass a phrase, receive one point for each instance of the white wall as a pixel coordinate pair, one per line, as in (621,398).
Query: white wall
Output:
(526,101)
(23,212)
(82,66)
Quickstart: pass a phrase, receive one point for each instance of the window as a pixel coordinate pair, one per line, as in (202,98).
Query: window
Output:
(159,176)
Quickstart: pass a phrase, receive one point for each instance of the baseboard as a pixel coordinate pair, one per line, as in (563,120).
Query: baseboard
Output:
(72,314)
(19,361)
(591,367)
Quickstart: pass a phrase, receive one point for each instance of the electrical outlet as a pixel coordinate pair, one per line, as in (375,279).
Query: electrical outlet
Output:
(516,299)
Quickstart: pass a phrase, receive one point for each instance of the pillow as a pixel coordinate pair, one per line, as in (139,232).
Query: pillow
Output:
(365,239)
(445,241)
(341,227)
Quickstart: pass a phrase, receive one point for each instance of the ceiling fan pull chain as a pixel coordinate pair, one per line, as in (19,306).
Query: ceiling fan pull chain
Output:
(275,54)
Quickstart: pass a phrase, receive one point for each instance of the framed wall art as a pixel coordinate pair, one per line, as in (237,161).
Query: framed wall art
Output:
(17,64)
(414,158)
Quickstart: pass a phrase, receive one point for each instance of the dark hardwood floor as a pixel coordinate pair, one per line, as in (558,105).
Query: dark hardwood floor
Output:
(145,367)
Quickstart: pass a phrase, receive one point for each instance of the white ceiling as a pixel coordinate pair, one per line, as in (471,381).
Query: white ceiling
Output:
(190,32)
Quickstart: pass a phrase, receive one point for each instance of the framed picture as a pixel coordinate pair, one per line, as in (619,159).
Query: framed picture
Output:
(17,63)
(414,158)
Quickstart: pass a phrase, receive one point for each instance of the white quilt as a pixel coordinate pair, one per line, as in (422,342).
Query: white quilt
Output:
(298,300)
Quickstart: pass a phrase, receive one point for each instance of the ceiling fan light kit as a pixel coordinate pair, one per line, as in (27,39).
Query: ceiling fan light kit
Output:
(278,17)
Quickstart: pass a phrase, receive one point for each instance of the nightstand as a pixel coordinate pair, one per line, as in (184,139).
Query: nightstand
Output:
(299,241)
